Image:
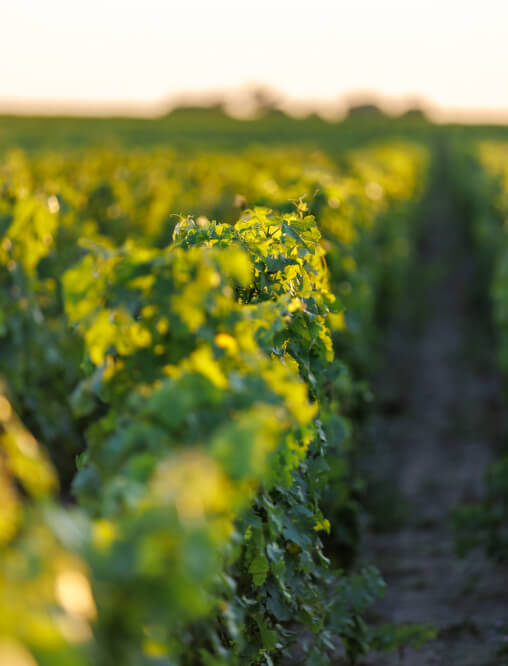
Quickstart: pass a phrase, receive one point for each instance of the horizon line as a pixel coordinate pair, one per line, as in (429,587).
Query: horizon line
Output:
(239,104)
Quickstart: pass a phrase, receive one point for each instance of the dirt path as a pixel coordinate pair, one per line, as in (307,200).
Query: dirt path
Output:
(432,446)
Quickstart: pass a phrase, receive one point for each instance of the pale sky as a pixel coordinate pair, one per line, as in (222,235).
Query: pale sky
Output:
(108,53)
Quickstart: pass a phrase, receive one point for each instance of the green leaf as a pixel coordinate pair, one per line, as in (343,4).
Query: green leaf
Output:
(259,569)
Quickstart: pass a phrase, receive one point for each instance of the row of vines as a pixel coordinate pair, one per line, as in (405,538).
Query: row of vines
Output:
(482,181)
(177,478)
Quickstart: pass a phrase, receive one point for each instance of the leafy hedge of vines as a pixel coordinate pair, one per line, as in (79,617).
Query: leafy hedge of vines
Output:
(203,384)
(485,164)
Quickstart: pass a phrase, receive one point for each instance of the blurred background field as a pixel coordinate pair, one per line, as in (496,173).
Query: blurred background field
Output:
(212,128)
